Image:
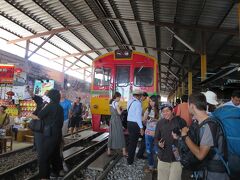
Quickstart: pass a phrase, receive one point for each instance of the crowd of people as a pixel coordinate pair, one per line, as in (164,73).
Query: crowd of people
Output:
(164,128)
(167,133)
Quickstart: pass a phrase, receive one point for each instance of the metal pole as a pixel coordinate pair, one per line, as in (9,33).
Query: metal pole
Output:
(180,39)
(203,59)
(62,84)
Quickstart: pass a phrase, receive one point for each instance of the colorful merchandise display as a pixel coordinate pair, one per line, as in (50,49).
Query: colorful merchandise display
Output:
(12,109)
(27,107)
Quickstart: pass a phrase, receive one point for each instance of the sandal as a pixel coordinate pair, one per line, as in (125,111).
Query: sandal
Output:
(109,153)
(125,155)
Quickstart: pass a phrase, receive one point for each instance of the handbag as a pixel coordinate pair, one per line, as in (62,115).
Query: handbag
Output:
(36,125)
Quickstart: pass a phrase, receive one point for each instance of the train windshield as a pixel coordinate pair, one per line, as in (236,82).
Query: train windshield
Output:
(123,76)
(102,76)
(143,76)
(123,81)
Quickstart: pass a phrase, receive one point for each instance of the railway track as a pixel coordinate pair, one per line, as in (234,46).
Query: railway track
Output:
(17,157)
(81,158)
(27,167)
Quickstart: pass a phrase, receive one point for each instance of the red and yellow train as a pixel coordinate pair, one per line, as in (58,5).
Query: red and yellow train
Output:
(123,71)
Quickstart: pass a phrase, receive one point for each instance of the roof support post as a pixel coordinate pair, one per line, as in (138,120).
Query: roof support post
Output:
(179,92)
(203,58)
(189,83)
(63,67)
(183,87)
(183,83)
(84,74)
(238,17)
(26,63)
(190,77)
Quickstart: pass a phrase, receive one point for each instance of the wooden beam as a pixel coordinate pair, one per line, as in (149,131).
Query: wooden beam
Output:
(73,63)
(82,53)
(41,45)
(54,31)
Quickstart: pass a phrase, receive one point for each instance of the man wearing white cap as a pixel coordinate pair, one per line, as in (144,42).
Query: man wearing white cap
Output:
(212,102)
(135,126)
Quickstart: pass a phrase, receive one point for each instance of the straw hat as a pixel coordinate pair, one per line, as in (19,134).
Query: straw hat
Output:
(137,92)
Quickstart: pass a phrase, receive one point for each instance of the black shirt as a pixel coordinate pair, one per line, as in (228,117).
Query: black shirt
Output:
(164,131)
(77,110)
(52,114)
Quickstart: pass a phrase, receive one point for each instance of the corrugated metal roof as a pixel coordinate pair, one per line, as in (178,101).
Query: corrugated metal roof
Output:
(187,19)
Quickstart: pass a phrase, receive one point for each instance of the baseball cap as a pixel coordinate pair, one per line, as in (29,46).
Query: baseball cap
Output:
(167,104)
(137,92)
(211,97)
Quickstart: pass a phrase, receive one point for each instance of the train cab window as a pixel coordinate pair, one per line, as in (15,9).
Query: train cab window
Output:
(102,76)
(123,76)
(143,76)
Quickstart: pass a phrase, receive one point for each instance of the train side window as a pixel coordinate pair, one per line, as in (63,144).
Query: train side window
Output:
(143,76)
(123,76)
(102,76)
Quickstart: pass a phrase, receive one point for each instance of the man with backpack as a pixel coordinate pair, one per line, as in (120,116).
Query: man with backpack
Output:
(228,117)
(210,140)
(135,127)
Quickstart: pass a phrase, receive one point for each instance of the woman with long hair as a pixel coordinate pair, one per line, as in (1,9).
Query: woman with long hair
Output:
(151,117)
(116,138)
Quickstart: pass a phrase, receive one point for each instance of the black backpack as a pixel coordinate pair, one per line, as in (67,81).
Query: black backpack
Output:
(124,116)
(188,160)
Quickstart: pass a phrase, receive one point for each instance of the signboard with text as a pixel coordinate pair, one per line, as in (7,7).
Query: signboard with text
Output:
(6,74)
(123,54)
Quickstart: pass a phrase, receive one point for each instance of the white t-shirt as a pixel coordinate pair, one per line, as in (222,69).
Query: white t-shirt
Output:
(114,104)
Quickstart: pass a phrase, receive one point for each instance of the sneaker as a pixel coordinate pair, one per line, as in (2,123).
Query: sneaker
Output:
(141,157)
(53,176)
(148,170)
(65,168)
(61,173)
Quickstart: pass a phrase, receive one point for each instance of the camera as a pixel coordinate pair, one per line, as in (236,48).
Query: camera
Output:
(177,130)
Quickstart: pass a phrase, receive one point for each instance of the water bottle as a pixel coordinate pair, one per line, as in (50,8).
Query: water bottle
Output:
(176,153)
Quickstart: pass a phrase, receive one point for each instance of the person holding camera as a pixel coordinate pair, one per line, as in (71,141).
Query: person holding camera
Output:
(150,118)
(169,167)
(211,143)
